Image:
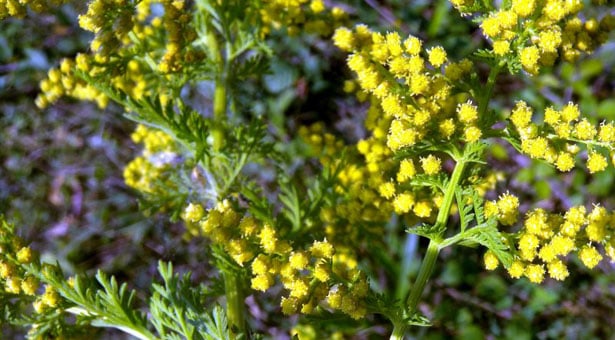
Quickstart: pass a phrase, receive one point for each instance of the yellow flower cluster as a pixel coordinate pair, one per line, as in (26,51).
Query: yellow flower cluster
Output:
(546,239)
(310,16)
(225,226)
(308,277)
(324,145)
(148,172)
(14,279)
(132,48)
(536,32)
(505,209)
(362,201)
(62,81)
(410,90)
(19,8)
(110,21)
(306,274)
(556,140)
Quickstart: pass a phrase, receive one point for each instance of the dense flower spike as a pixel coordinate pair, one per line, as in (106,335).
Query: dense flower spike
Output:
(556,140)
(149,173)
(18,8)
(536,32)
(547,239)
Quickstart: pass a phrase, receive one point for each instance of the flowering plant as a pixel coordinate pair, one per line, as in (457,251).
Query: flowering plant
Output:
(313,234)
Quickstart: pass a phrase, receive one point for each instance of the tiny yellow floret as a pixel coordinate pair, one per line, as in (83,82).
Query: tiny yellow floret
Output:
(535,273)
(590,256)
(437,56)
(491,261)
(596,162)
(431,165)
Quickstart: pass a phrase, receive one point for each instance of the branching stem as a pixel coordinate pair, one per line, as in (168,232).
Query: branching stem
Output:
(433,249)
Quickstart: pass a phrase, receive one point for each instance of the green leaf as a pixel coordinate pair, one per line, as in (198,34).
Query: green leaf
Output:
(427,230)
(487,235)
(438,181)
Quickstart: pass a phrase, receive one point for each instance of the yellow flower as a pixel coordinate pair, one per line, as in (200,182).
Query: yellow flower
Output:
(561,245)
(570,112)
(523,8)
(413,45)
(596,162)
(344,39)
(322,250)
(393,42)
(557,270)
(552,116)
(29,285)
(289,305)
(565,162)
(317,6)
(491,209)
(508,206)
(535,273)
(403,203)
(422,209)
(431,165)
(298,261)
(447,128)
(262,282)
(51,297)
(590,256)
(549,40)
(322,271)
(472,134)
(467,112)
(585,130)
(516,269)
(521,115)
(268,239)
(387,190)
(607,132)
(260,265)
(194,212)
(491,261)
(437,56)
(419,84)
(501,47)
(491,27)
(24,255)
(406,170)
(528,243)
(529,59)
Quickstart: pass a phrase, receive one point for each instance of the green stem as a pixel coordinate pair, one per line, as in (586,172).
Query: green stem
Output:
(399,331)
(220,101)
(436,20)
(433,249)
(235,302)
(486,96)
(220,95)
(425,272)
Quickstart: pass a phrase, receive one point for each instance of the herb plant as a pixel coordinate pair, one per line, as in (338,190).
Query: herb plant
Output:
(298,214)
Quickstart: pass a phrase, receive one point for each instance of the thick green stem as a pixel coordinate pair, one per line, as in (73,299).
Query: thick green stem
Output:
(235,302)
(434,245)
(425,272)
(399,332)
